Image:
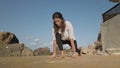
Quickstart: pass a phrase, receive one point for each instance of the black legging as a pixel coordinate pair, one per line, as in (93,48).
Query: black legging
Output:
(60,43)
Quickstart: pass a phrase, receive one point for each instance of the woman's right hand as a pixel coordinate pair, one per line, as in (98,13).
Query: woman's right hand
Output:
(54,49)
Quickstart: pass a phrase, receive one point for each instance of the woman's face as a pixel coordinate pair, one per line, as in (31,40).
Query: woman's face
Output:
(57,21)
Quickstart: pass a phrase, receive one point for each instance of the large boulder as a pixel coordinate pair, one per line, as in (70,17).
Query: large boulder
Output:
(12,50)
(27,52)
(7,38)
(42,51)
(10,46)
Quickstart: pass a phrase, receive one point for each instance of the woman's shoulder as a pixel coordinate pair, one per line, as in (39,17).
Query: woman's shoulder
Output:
(68,22)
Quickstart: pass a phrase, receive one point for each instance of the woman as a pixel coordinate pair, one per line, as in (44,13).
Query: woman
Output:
(63,34)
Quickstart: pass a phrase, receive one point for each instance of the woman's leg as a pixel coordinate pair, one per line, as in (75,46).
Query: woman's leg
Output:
(60,44)
(59,41)
(68,42)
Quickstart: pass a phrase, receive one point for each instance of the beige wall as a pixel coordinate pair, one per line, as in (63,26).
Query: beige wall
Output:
(115,0)
(110,33)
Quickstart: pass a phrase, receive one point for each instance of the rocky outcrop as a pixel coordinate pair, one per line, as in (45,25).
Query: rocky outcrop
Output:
(94,49)
(90,50)
(10,46)
(42,51)
(16,49)
(12,50)
(8,38)
(27,52)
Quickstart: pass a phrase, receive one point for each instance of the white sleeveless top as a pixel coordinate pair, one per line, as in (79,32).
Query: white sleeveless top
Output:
(68,34)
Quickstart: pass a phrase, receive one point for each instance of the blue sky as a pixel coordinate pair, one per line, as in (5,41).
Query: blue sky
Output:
(31,20)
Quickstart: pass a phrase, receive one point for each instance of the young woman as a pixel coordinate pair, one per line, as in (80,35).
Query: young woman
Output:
(63,34)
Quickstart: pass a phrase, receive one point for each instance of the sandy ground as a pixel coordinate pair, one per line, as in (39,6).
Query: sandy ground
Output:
(67,62)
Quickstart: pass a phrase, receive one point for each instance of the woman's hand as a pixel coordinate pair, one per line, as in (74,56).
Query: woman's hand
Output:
(74,53)
(54,49)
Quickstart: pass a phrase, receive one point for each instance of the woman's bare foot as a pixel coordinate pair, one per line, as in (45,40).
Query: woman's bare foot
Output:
(62,54)
(53,55)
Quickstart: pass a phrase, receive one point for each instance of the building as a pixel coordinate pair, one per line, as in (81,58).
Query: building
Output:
(110,29)
(115,1)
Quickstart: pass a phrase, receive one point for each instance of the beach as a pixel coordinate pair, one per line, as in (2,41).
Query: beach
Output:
(67,62)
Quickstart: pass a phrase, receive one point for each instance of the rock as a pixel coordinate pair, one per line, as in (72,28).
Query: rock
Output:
(98,45)
(42,51)
(84,50)
(10,46)
(90,50)
(7,38)
(102,53)
(91,46)
(11,50)
(16,50)
(22,45)
(27,52)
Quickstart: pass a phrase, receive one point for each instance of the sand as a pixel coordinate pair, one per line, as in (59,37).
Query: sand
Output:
(67,62)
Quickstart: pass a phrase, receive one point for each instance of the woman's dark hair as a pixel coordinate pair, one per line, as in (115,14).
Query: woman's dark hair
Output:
(56,28)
